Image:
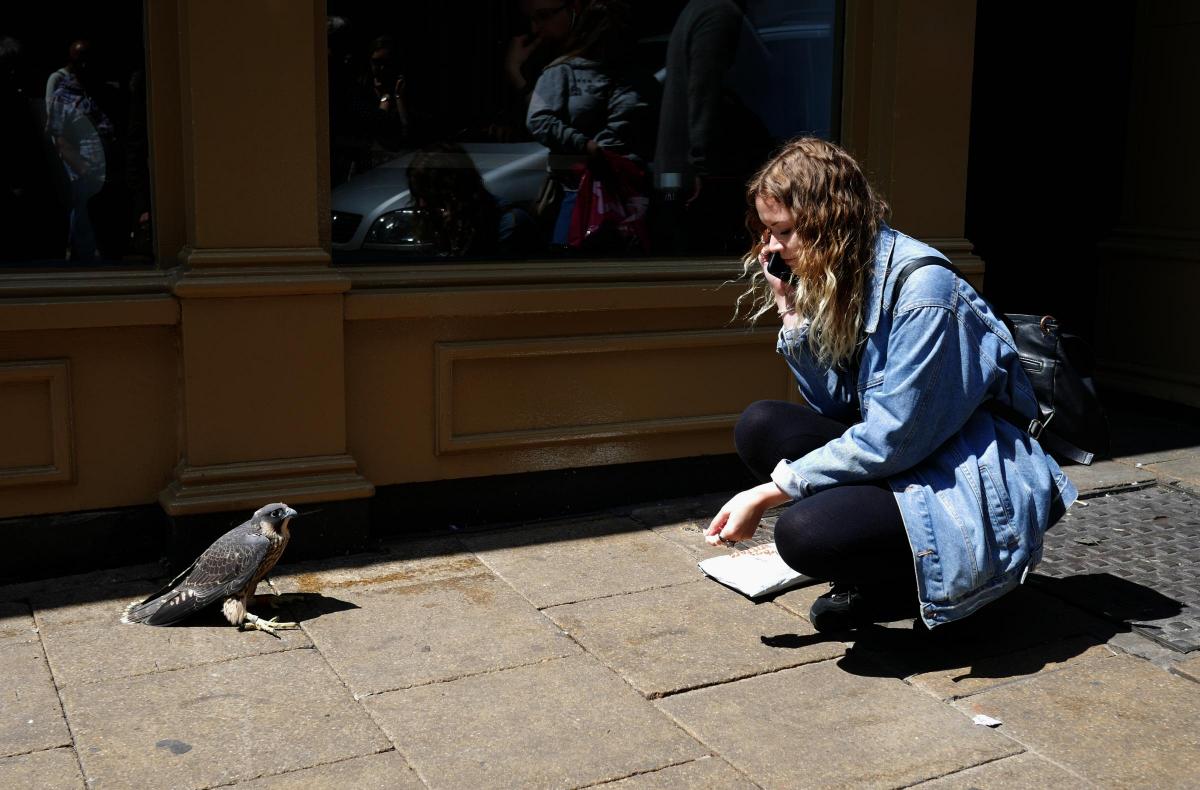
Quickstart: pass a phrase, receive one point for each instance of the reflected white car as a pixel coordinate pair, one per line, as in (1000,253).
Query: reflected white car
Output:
(373,211)
(789,39)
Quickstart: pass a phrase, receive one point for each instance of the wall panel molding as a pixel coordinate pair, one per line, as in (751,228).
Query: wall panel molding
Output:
(250,484)
(27,383)
(87,312)
(565,382)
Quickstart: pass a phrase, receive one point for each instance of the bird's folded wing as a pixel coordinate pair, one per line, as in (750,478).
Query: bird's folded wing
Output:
(225,569)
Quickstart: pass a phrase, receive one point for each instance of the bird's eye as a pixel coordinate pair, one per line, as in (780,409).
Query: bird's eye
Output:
(276,513)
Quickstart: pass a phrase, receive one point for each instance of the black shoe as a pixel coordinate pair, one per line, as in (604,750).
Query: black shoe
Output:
(849,606)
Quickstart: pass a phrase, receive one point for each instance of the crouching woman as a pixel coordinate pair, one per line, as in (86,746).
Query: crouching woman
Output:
(904,488)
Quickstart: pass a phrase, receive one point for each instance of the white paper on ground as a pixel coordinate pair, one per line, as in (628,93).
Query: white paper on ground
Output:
(754,572)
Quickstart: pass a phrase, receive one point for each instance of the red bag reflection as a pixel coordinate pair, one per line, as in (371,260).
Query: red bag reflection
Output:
(610,211)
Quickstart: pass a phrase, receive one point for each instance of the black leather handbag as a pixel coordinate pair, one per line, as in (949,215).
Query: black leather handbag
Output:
(1071,422)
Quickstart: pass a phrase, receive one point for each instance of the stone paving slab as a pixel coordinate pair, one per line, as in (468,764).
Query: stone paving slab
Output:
(698,508)
(385,771)
(30,715)
(1189,668)
(1186,467)
(799,600)
(867,731)
(97,582)
(404,563)
(562,723)
(707,773)
(575,561)
(1104,476)
(1116,721)
(689,536)
(217,724)
(1020,771)
(16,619)
(86,641)
(56,769)
(669,639)
(439,630)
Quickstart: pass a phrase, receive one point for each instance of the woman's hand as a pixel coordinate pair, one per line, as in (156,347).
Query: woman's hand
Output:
(519,50)
(781,290)
(739,517)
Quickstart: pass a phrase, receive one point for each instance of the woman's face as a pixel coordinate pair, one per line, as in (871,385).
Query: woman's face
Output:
(550,20)
(781,236)
(383,65)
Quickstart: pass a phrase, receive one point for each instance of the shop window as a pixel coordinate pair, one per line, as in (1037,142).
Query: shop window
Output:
(74,154)
(564,128)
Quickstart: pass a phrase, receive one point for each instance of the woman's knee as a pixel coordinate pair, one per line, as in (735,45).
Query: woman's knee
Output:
(754,428)
(800,547)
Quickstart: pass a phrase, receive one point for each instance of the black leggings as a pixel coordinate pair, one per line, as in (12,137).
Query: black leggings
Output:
(850,533)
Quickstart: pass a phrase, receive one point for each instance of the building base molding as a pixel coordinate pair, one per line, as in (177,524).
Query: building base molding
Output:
(961,254)
(241,281)
(1155,382)
(251,484)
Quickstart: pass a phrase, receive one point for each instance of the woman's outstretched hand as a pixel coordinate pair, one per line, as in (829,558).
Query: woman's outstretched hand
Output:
(739,517)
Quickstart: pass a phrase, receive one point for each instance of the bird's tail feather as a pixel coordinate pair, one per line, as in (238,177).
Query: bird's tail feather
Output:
(143,610)
(140,611)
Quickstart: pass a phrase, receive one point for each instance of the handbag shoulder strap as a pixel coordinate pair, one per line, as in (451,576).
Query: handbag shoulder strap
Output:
(919,263)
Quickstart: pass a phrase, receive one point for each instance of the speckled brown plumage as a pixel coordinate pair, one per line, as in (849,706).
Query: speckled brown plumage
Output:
(228,571)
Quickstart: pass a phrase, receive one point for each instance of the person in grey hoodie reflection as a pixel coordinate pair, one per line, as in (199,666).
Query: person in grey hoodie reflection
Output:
(584,101)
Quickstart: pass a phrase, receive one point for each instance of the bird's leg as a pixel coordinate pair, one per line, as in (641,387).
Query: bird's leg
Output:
(256,623)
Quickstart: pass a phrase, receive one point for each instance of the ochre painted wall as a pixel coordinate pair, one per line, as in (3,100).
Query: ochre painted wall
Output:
(249,369)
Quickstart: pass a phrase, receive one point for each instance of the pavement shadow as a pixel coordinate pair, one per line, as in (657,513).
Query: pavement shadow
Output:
(1109,596)
(303,606)
(797,641)
(1049,622)
(1141,426)
(294,607)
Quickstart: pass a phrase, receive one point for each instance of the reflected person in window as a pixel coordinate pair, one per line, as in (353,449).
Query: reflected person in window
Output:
(709,142)
(550,23)
(82,134)
(893,471)
(587,100)
(381,120)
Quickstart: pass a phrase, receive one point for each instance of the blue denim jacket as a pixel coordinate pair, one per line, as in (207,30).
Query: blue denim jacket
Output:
(976,493)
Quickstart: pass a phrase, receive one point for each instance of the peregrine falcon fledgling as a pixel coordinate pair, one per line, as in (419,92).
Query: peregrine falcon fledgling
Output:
(229,569)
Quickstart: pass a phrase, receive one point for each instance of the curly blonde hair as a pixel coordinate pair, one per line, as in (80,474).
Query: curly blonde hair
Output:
(837,217)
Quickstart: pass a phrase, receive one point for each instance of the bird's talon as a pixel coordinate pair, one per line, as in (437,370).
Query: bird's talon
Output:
(268,626)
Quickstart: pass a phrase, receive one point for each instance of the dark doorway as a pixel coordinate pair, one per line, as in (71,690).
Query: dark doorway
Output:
(1047,151)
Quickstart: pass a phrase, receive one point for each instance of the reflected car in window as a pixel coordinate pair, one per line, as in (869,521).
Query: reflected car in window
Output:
(373,217)
(374,212)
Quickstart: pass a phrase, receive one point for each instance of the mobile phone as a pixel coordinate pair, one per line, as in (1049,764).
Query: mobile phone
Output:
(779,268)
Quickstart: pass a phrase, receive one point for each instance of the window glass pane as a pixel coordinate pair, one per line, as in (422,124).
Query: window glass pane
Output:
(74,154)
(559,128)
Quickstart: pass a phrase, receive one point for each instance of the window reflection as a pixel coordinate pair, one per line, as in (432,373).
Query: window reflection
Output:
(558,128)
(74,169)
